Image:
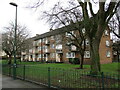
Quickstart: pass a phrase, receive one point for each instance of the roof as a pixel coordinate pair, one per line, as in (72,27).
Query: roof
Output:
(56,31)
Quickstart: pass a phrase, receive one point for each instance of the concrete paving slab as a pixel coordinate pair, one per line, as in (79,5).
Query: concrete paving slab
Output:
(8,82)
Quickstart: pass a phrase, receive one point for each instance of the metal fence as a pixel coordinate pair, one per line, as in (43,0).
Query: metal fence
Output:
(63,78)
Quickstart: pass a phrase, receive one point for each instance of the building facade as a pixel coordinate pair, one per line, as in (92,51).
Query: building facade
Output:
(54,48)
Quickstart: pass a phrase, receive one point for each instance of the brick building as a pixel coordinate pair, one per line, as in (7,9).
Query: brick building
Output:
(49,47)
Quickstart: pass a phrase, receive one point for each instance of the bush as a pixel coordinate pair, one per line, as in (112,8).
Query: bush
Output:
(4,57)
(74,60)
(49,61)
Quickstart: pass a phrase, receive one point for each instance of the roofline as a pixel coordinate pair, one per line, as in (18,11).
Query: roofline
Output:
(56,31)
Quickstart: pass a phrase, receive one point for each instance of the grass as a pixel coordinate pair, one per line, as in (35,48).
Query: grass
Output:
(65,75)
(111,68)
(61,75)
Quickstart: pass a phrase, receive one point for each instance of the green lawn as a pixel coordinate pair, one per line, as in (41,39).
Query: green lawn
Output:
(110,68)
(64,75)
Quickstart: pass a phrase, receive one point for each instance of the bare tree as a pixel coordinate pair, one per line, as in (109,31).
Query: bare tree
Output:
(94,23)
(115,23)
(8,40)
(60,16)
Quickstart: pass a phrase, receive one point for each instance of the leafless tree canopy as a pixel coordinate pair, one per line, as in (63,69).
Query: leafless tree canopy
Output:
(81,14)
(21,39)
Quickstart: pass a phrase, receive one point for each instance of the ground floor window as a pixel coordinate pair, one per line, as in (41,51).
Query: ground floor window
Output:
(70,55)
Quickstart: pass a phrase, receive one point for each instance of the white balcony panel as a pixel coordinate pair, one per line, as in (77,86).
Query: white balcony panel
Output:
(59,47)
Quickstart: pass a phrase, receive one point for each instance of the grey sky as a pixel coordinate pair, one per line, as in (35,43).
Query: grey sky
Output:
(25,16)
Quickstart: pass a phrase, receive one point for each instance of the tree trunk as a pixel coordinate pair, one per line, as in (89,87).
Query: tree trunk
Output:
(118,55)
(10,60)
(95,58)
(9,63)
(81,61)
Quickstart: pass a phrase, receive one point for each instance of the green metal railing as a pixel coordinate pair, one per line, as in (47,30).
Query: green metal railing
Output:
(63,78)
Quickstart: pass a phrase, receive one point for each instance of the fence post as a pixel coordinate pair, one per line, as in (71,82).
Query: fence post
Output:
(102,75)
(49,77)
(24,72)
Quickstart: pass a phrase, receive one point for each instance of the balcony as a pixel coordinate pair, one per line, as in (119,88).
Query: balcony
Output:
(35,43)
(47,51)
(59,51)
(47,42)
(23,53)
(59,47)
(35,51)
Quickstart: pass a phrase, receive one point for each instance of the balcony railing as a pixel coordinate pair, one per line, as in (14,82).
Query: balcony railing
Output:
(47,42)
(59,47)
(46,51)
(35,44)
(59,51)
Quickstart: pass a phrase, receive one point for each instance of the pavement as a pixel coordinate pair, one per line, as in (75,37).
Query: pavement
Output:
(8,82)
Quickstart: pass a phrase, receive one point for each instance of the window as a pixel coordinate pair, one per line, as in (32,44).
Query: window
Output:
(83,30)
(69,34)
(39,56)
(87,42)
(87,54)
(52,55)
(106,32)
(46,47)
(52,46)
(39,41)
(43,40)
(107,43)
(108,54)
(52,37)
(59,46)
(70,55)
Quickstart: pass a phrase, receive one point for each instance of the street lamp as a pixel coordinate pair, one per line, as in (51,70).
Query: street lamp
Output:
(14,65)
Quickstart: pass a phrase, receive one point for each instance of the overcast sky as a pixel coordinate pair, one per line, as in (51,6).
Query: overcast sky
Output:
(26,16)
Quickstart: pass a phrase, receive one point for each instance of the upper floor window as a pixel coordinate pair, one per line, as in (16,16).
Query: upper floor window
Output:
(87,42)
(43,40)
(87,54)
(52,46)
(106,32)
(83,30)
(39,41)
(69,34)
(107,43)
(52,37)
(108,53)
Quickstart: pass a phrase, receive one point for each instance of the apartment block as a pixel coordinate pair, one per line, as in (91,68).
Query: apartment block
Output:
(48,47)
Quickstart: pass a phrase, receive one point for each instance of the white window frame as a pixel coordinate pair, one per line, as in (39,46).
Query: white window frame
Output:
(108,54)
(107,43)
(106,32)
(87,54)
(70,55)
(52,37)
(52,46)
(83,30)
(87,42)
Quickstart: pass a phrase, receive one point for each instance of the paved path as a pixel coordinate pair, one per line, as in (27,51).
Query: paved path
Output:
(8,82)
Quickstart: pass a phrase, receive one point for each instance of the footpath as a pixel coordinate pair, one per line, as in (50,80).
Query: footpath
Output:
(8,82)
